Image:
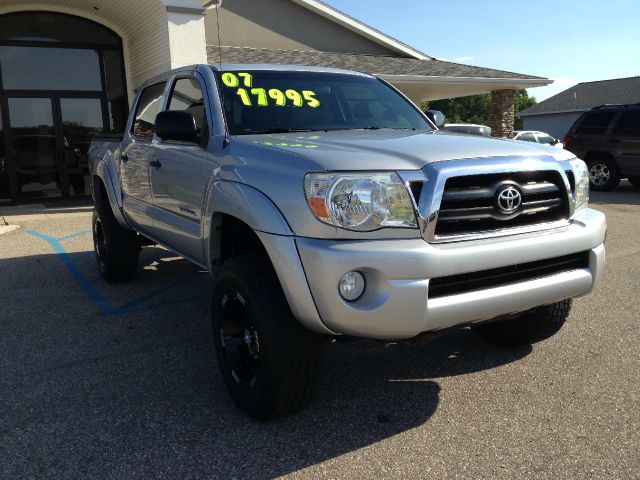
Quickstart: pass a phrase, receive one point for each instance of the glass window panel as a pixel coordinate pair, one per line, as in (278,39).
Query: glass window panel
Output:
(4,168)
(81,121)
(39,68)
(116,92)
(629,124)
(526,137)
(596,122)
(34,145)
(544,138)
(148,107)
(187,95)
(54,27)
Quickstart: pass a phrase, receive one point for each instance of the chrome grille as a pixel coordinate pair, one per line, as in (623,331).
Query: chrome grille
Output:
(473,203)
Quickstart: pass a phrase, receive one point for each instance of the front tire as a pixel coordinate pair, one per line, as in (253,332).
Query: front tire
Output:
(534,326)
(268,360)
(116,248)
(603,174)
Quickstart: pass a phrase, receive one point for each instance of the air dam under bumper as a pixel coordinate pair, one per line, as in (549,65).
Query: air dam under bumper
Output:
(396,301)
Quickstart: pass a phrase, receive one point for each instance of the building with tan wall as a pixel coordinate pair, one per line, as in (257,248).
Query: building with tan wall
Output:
(70,68)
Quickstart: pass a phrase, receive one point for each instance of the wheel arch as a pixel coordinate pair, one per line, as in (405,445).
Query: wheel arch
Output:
(242,207)
(595,154)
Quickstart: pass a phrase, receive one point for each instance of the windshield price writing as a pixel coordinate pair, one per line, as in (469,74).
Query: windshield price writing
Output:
(263,97)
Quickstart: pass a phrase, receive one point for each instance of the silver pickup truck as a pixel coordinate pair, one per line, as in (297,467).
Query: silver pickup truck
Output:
(325,204)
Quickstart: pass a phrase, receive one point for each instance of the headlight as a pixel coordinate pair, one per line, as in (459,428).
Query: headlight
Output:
(360,201)
(581,174)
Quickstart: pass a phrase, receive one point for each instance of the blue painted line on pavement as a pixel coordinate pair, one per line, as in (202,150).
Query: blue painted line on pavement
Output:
(86,285)
(73,235)
(92,292)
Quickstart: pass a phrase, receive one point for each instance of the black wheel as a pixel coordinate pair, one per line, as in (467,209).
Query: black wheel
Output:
(634,181)
(603,174)
(267,359)
(534,326)
(116,248)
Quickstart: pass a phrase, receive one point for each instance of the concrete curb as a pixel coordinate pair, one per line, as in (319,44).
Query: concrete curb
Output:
(8,228)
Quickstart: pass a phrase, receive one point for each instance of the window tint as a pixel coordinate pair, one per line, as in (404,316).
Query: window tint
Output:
(187,95)
(527,137)
(629,124)
(544,138)
(596,122)
(148,107)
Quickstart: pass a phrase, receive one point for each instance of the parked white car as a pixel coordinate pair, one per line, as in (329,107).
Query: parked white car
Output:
(468,128)
(536,137)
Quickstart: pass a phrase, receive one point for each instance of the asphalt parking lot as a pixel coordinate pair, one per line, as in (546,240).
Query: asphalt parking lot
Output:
(104,381)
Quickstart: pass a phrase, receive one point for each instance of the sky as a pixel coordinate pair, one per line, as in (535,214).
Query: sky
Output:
(568,41)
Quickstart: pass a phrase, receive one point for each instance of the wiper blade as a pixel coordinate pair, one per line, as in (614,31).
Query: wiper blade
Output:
(274,130)
(377,127)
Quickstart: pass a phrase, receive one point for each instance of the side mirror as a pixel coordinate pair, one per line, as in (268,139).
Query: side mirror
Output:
(177,125)
(436,116)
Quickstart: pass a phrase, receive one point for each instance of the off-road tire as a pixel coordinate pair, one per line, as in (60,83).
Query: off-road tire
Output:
(609,168)
(634,181)
(116,248)
(248,302)
(534,326)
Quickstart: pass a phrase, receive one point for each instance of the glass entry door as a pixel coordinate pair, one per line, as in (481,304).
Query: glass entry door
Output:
(62,81)
(35,147)
(81,119)
(50,138)
(5,187)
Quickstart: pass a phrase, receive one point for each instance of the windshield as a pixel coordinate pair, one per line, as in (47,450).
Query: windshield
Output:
(281,101)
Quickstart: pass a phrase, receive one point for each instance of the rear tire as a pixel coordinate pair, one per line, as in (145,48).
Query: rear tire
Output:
(603,174)
(116,248)
(534,326)
(268,360)
(634,181)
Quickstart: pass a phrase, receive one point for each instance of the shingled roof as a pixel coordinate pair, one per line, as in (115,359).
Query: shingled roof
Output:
(375,64)
(587,95)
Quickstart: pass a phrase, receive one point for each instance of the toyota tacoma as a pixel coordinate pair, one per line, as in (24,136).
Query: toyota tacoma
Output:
(325,204)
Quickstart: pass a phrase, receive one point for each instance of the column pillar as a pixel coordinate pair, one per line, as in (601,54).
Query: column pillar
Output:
(187,39)
(502,114)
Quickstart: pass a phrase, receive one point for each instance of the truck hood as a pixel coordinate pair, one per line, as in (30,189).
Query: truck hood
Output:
(396,149)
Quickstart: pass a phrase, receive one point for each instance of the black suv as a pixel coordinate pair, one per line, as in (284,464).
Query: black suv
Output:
(607,138)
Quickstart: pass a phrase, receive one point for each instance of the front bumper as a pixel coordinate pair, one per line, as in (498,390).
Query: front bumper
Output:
(396,302)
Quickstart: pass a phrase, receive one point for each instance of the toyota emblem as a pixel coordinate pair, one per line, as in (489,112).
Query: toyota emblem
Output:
(508,199)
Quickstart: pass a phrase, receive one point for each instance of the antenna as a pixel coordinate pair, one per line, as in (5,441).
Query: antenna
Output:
(218,26)
(225,142)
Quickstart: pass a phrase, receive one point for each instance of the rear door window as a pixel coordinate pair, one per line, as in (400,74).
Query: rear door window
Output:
(628,124)
(596,123)
(144,125)
(527,137)
(544,138)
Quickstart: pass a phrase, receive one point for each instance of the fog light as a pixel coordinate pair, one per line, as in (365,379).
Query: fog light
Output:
(352,286)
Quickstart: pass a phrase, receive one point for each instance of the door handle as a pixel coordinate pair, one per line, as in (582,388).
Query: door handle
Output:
(124,157)
(155,163)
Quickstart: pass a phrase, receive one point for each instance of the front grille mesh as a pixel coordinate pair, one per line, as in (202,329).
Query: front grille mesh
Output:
(497,277)
(469,202)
